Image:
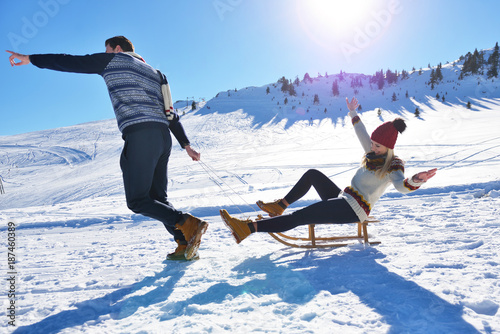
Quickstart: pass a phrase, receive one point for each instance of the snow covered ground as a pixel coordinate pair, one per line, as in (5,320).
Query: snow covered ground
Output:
(86,264)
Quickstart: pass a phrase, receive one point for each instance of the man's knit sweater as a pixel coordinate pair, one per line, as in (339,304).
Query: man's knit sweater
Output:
(134,86)
(366,187)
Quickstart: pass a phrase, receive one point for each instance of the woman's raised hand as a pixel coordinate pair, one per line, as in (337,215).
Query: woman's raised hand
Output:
(352,106)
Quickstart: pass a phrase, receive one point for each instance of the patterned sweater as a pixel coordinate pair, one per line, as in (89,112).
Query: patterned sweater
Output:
(134,86)
(366,188)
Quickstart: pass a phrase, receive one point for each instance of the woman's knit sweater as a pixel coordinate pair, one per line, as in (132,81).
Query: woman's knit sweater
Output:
(366,187)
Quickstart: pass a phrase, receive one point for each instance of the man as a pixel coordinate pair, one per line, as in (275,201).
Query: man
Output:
(135,89)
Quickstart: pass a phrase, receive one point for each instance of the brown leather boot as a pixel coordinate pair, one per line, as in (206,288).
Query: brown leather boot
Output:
(239,228)
(192,228)
(274,209)
(178,254)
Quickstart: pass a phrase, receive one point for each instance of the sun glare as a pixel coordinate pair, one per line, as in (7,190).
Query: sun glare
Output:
(328,21)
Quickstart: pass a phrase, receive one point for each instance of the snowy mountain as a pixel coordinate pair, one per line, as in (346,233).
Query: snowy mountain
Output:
(85,263)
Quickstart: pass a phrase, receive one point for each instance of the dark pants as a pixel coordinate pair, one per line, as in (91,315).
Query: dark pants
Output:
(144,163)
(330,210)
(325,187)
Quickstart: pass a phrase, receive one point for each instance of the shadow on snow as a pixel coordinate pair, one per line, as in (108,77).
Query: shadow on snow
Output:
(403,305)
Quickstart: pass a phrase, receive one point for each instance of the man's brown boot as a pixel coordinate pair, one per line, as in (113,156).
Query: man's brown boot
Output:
(192,228)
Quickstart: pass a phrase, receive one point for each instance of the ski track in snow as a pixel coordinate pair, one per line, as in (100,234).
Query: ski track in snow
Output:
(86,264)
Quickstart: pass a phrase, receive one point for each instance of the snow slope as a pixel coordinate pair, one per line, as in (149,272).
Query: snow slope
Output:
(86,264)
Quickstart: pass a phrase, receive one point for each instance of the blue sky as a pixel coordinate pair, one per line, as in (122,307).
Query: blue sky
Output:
(208,46)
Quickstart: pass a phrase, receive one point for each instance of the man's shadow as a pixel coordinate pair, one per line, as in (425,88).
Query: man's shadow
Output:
(116,305)
(404,305)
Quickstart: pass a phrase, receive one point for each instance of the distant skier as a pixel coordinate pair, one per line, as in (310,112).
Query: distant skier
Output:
(135,89)
(380,168)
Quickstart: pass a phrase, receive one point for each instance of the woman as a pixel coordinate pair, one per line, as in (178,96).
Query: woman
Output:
(380,168)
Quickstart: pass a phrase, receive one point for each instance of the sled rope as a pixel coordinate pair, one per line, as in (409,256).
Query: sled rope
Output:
(220,183)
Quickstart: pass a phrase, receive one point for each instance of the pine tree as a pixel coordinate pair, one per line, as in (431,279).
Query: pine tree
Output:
(404,75)
(392,77)
(286,100)
(394,97)
(284,84)
(341,76)
(307,78)
(493,61)
(417,112)
(439,73)
(316,99)
(335,88)
(432,80)
(436,75)
(379,79)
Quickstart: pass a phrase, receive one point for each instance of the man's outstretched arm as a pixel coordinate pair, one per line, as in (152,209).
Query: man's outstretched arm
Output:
(90,64)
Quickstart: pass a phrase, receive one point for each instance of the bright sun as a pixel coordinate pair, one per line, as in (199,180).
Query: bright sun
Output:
(328,21)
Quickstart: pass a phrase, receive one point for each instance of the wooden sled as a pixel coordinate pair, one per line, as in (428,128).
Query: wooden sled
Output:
(314,241)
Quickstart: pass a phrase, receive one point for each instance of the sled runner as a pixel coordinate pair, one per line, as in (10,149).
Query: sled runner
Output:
(313,241)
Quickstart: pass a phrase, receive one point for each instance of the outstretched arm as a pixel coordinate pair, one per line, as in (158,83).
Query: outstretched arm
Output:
(23,59)
(407,185)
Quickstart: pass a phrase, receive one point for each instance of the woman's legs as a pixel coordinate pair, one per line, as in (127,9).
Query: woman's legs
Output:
(335,210)
(325,187)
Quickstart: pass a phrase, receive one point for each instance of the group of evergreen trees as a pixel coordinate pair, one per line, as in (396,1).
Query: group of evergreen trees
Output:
(288,86)
(378,79)
(436,76)
(474,63)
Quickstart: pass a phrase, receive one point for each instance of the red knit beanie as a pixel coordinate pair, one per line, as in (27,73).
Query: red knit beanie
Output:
(387,133)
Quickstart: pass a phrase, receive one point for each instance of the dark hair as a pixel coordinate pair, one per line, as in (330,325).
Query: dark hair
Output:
(399,124)
(122,41)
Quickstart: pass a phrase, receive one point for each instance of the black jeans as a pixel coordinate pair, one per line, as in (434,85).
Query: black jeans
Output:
(330,210)
(144,161)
